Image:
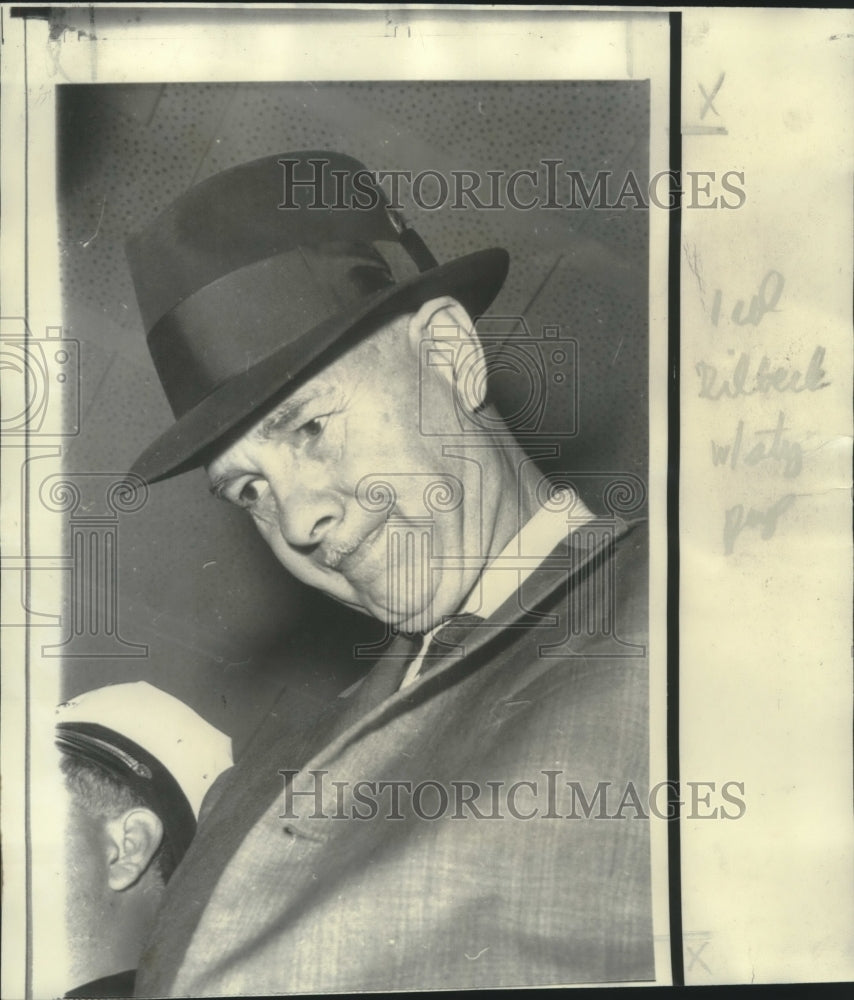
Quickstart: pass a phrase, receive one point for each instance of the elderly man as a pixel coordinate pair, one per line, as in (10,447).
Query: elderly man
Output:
(471,813)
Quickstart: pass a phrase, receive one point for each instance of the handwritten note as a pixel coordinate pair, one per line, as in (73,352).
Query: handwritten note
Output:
(765,503)
(741,371)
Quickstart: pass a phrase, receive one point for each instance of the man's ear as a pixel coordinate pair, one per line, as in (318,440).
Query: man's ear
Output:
(133,840)
(455,351)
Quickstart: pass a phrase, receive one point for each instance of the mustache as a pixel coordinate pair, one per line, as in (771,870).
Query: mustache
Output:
(333,553)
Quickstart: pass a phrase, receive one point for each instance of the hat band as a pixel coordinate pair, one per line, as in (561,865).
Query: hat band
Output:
(245,316)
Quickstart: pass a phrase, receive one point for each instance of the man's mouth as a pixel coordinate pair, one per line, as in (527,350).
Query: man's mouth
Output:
(345,558)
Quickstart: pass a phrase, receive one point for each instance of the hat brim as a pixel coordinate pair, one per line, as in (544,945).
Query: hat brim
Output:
(474,280)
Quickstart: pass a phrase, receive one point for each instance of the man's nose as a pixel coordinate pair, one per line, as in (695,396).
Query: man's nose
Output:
(306,516)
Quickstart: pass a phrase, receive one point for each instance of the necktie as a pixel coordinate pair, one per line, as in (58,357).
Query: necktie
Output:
(390,668)
(451,640)
(390,673)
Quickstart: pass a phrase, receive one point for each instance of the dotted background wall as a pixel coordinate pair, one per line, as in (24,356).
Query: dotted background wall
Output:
(225,626)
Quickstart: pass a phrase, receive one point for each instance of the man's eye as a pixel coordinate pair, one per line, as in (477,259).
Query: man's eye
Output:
(313,428)
(250,493)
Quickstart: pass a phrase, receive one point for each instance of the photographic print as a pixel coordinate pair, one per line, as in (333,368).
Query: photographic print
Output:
(427,308)
(416,425)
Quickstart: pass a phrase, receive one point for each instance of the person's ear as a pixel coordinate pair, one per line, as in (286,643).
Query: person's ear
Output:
(454,349)
(133,840)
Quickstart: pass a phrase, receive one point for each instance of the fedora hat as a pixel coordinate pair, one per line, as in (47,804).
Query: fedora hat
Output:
(259,275)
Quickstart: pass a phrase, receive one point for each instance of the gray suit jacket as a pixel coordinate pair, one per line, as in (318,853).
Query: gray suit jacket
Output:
(462,881)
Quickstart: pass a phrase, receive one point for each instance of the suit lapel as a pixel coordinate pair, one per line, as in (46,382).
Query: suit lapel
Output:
(247,822)
(379,699)
(377,686)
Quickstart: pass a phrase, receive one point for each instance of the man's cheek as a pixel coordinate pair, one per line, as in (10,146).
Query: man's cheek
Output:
(333,450)
(266,522)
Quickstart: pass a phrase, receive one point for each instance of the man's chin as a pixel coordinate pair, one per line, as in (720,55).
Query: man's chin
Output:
(420,616)
(416,620)
(409,620)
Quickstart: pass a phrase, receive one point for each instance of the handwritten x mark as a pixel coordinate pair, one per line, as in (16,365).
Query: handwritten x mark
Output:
(695,957)
(710,97)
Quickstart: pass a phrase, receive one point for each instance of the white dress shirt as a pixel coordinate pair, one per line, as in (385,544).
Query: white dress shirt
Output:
(503,576)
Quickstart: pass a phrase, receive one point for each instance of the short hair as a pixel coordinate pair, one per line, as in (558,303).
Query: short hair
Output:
(102,794)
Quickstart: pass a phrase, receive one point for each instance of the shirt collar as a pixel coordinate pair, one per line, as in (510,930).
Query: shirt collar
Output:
(503,576)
